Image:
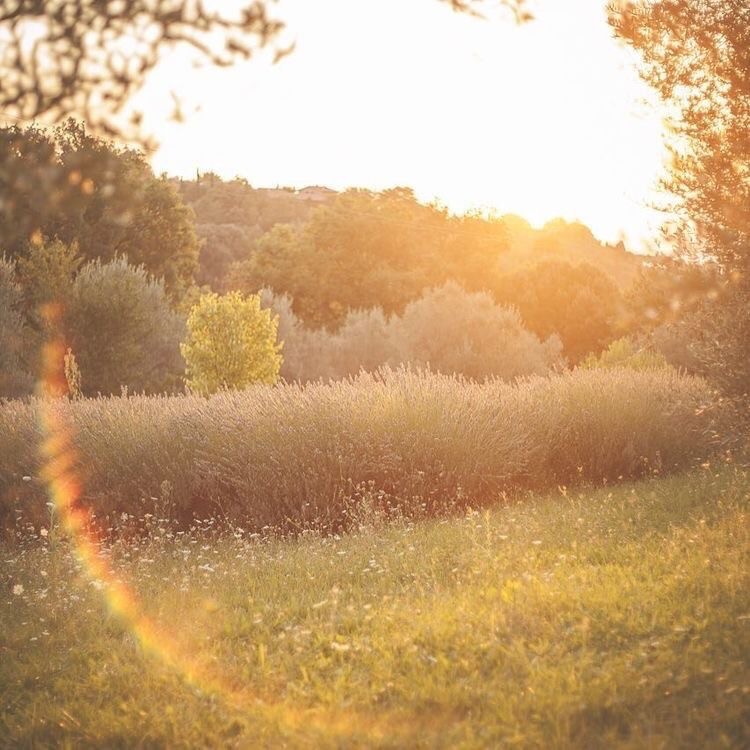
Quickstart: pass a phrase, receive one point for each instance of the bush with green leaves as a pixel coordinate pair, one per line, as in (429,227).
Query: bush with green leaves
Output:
(447,329)
(454,331)
(231,343)
(122,331)
(714,339)
(14,379)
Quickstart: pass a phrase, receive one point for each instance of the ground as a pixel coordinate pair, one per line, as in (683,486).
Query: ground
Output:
(604,617)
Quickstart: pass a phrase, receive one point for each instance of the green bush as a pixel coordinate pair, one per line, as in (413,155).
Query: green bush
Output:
(717,334)
(299,456)
(447,329)
(14,379)
(122,331)
(231,343)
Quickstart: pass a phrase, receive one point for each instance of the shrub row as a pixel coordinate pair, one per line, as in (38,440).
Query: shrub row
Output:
(299,456)
(447,329)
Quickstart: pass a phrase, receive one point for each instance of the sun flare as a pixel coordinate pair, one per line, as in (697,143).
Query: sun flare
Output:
(544,120)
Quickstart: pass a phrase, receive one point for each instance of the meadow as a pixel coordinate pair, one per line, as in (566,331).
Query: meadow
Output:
(599,617)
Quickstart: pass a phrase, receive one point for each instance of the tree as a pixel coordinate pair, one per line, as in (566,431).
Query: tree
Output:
(231,343)
(70,185)
(367,249)
(454,331)
(579,303)
(221,246)
(121,329)
(45,273)
(87,57)
(696,54)
(14,379)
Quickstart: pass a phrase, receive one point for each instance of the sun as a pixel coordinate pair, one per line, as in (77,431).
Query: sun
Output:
(546,120)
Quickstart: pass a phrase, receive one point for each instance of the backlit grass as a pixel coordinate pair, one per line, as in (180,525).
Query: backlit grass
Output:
(590,618)
(300,457)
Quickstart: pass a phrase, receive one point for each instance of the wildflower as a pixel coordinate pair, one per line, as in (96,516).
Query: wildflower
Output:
(18,589)
(43,532)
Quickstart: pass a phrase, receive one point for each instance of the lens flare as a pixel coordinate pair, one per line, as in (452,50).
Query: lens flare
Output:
(60,471)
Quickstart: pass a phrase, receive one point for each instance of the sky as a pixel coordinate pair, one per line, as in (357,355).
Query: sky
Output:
(546,119)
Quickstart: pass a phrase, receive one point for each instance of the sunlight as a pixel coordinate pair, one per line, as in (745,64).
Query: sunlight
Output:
(545,120)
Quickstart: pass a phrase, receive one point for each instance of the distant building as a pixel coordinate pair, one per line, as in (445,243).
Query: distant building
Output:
(316,194)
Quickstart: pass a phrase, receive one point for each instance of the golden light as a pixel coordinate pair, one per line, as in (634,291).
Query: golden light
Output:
(544,120)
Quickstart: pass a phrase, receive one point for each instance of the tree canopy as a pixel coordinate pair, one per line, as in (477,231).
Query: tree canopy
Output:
(71,185)
(696,54)
(231,343)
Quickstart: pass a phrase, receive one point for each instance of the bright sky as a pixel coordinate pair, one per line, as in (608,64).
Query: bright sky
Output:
(548,119)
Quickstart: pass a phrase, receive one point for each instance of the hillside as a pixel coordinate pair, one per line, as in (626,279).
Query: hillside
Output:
(570,242)
(232,215)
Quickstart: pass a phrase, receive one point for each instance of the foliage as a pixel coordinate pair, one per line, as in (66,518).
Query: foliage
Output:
(447,329)
(716,336)
(452,331)
(231,343)
(297,457)
(668,290)
(86,192)
(592,619)
(89,57)
(221,246)
(14,378)
(398,247)
(579,303)
(694,53)
(46,271)
(120,327)
(625,353)
(368,250)
(565,242)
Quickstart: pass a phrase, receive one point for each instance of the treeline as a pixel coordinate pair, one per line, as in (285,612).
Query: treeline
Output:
(357,280)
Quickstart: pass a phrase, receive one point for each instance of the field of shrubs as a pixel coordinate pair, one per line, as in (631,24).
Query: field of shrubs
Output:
(296,457)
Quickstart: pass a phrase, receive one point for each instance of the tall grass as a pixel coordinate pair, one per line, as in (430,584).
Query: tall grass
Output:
(300,456)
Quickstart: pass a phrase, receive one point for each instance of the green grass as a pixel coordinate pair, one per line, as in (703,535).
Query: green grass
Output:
(610,617)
